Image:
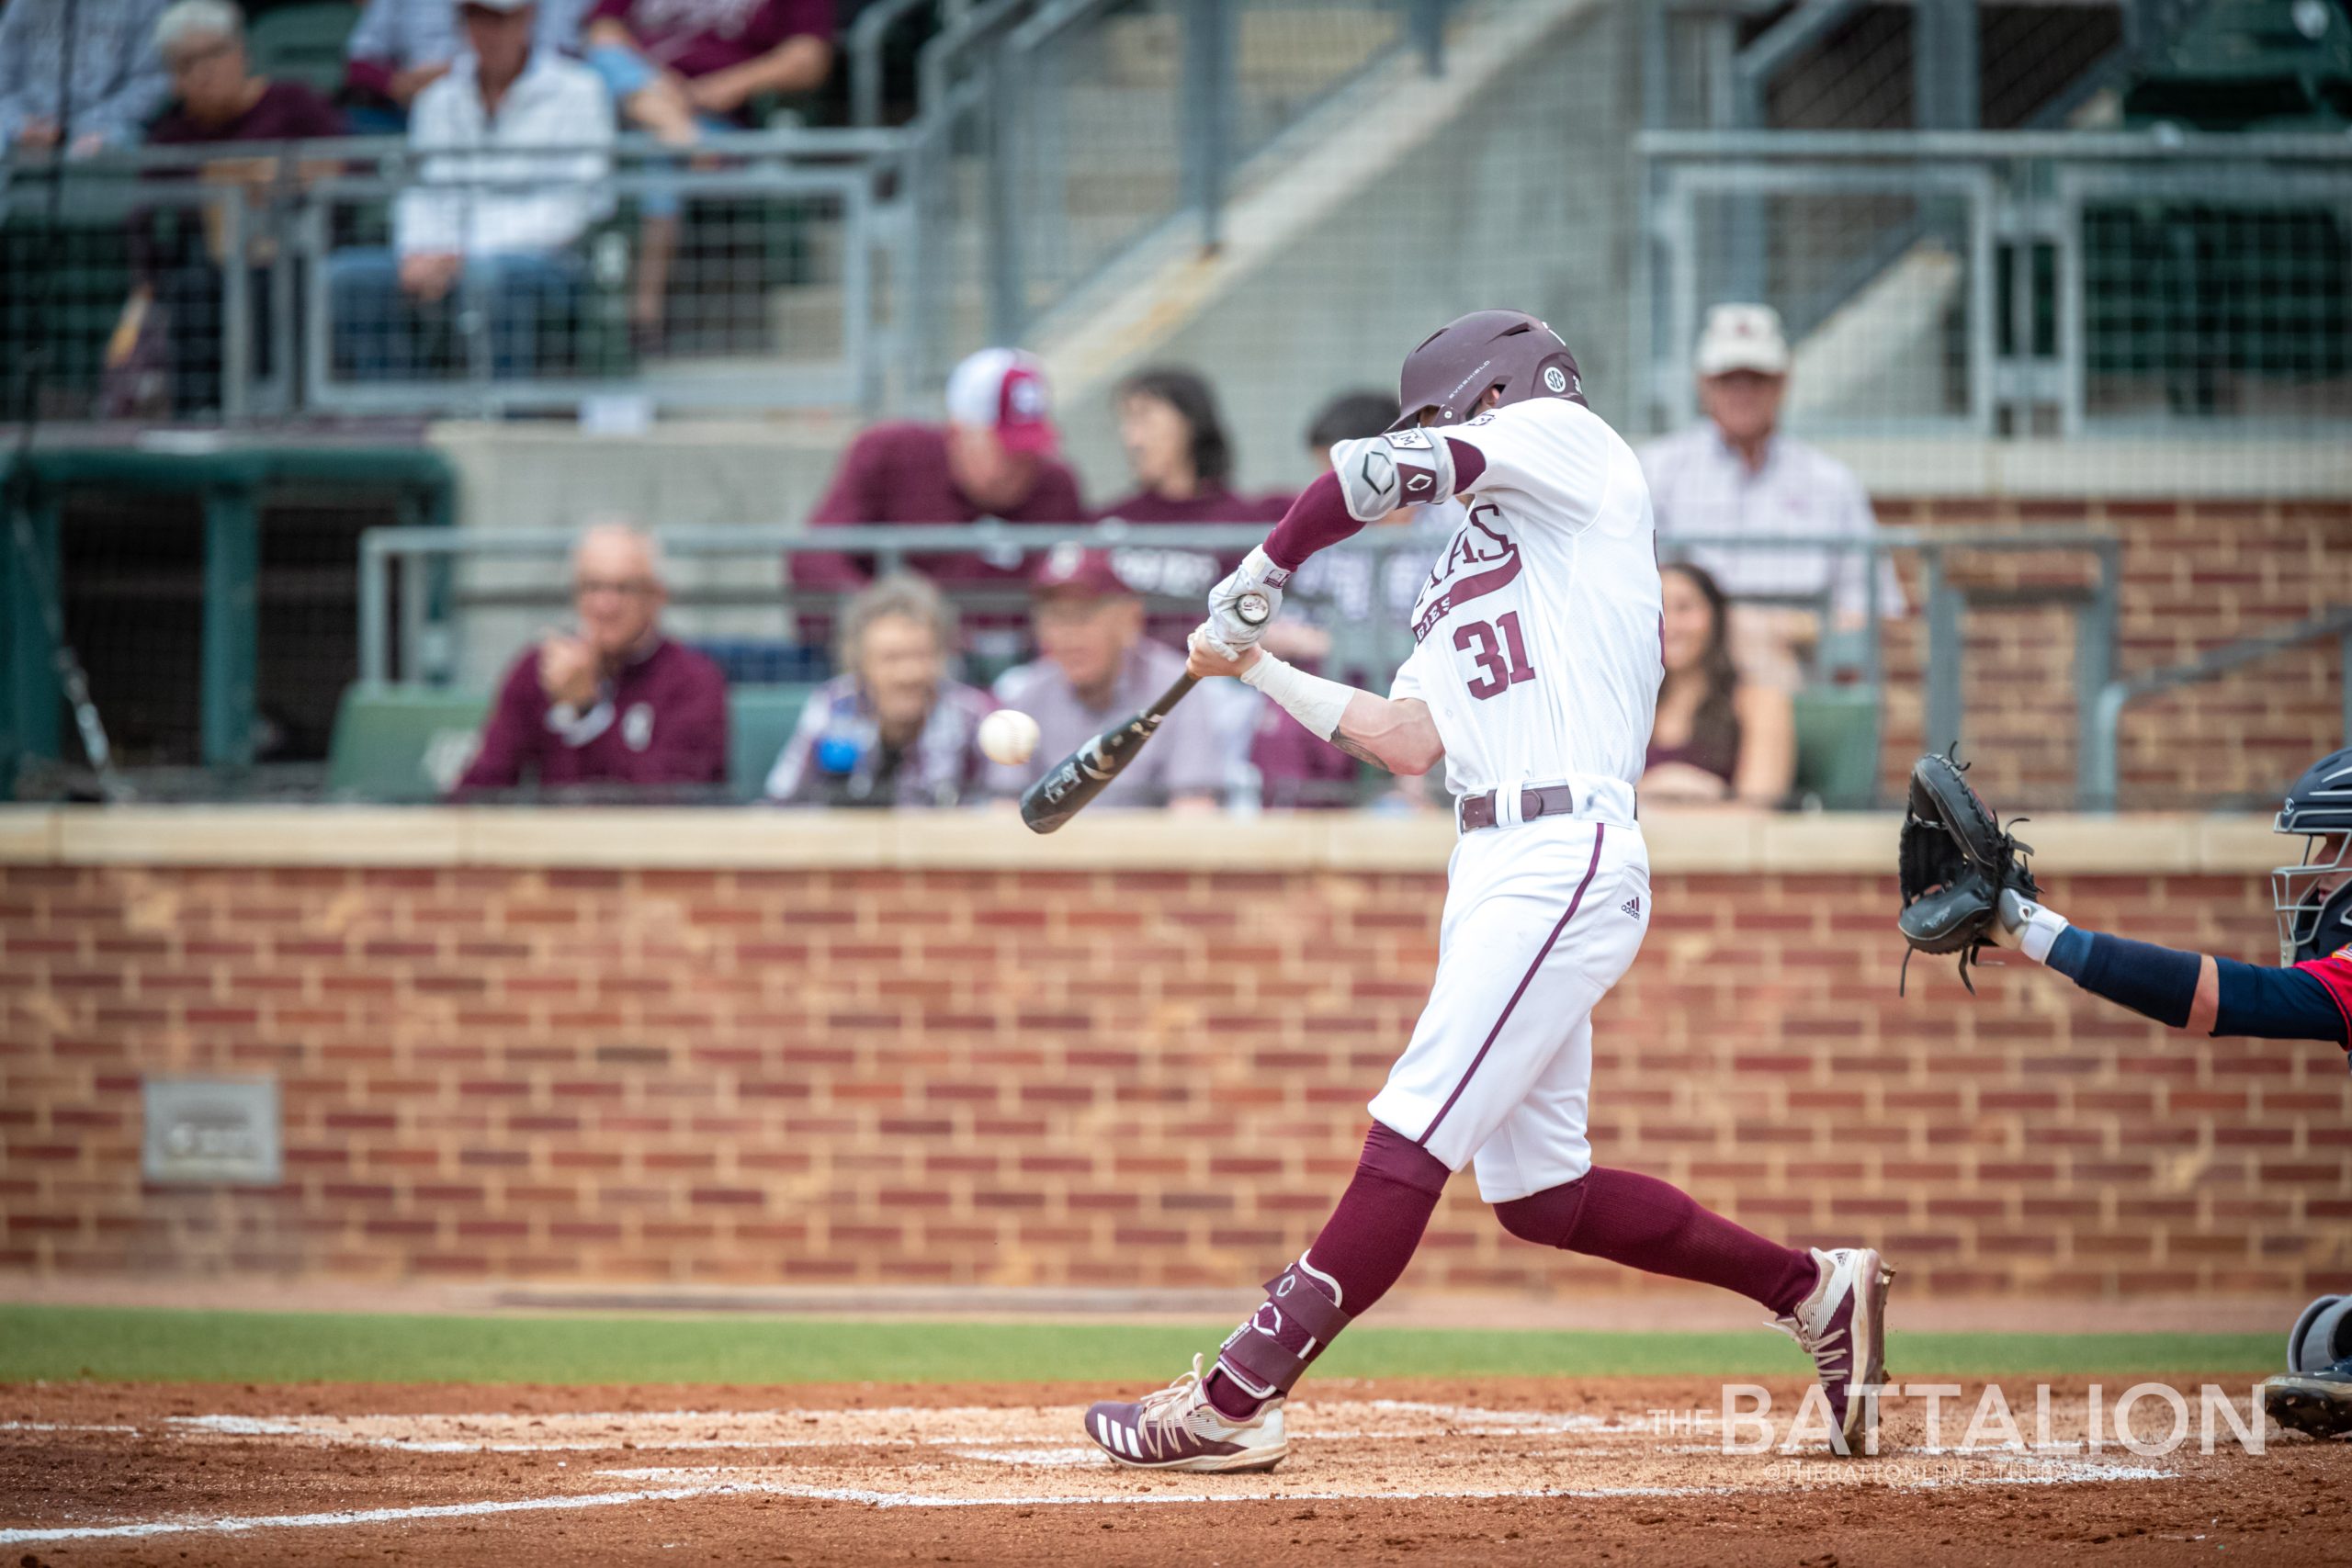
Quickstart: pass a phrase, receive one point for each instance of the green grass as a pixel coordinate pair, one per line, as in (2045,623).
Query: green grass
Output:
(133,1345)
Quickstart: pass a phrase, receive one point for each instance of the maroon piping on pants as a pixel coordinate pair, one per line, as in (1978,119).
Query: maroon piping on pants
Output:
(1600,831)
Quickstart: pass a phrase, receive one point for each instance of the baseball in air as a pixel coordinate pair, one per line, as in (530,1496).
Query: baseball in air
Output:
(1007,735)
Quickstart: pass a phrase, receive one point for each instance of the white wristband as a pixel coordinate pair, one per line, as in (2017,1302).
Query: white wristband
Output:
(1310,699)
(2041,928)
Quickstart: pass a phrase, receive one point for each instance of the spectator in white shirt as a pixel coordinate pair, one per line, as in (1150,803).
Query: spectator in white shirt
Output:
(1735,473)
(513,147)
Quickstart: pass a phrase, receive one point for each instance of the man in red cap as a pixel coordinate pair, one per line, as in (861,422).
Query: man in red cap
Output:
(993,457)
(1099,668)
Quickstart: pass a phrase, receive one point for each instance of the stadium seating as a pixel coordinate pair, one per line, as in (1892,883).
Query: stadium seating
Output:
(401,744)
(404,745)
(1836,754)
(302,43)
(759,721)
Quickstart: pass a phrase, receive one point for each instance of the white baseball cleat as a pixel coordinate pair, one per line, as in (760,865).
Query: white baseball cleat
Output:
(1842,1327)
(1178,1429)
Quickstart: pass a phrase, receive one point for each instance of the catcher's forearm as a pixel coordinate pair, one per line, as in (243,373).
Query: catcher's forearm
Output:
(2154,982)
(2194,991)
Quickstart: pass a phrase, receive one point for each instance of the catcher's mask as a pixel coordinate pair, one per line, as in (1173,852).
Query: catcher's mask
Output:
(2312,899)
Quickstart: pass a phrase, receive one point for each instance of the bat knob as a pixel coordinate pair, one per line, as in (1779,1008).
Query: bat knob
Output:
(1253,609)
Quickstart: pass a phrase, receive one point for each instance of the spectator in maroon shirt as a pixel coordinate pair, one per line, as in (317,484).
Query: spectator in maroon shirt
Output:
(994,457)
(614,703)
(1182,465)
(1177,449)
(680,68)
(168,340)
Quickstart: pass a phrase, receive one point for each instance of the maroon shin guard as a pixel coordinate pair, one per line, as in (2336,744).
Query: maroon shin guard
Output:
(1362,1249)
(1646,1224)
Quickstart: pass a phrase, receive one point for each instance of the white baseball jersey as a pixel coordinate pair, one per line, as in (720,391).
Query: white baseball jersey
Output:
(1537,649)
(1538,632)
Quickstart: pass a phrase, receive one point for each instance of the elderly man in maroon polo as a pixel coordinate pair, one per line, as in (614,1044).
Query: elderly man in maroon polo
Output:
(1097,669)
(613,702)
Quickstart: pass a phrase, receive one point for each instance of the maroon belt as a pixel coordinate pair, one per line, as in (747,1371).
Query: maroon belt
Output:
(1552,800)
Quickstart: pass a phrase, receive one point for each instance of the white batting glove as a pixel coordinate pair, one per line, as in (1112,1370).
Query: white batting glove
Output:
(1229,631)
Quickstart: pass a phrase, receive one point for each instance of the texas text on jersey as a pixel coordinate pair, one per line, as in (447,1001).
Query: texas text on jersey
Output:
(1536,635)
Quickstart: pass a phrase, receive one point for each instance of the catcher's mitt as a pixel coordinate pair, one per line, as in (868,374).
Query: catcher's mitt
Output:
(1955,859)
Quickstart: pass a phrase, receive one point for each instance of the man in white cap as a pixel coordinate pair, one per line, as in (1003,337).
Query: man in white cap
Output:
(1735,473)
(993,457)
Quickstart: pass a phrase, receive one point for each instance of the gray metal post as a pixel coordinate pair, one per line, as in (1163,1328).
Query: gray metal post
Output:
(237,313)
(1428,24)
(374,631)
(2095,626)
(1944,656)
(2099,764)
(415,593)
(1943,65)
(2344,681)
(1207,111)
(1875,657)
(1739,105)
(1657,45)
(1008,282)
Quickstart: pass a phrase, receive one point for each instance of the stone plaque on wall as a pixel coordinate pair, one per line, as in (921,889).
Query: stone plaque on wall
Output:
(210,1132)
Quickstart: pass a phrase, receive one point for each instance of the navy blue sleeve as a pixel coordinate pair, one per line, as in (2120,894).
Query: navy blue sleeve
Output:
(2275,1004)
(2154,982)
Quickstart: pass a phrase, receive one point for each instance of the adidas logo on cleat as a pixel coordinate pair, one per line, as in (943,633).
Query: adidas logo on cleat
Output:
(1632,906)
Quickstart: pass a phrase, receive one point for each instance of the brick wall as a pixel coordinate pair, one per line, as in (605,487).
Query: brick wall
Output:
(1090,1076)
(2196,576)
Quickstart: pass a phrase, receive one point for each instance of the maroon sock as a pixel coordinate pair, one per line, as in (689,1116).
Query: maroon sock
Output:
(1646,1224)
(1363,1248)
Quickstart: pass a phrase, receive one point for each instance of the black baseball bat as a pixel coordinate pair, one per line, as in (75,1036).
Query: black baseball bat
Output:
(1077,779)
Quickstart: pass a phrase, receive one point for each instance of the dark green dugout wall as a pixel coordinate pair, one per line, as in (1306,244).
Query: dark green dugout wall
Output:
(231,489)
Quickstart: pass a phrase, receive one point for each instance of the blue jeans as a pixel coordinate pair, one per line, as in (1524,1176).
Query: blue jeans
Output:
(381,333)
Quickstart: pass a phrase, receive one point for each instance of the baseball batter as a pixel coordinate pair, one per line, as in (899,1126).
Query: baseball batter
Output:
(1534,673)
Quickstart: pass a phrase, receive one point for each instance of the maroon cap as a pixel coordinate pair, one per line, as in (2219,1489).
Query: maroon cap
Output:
(1076,570)
(1459,363)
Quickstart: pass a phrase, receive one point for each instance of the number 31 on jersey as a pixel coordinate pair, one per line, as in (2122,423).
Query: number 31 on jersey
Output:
(1499,652)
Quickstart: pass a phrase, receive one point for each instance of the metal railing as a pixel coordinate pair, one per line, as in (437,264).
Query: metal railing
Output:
(2011,283)
(2100,785)
(779,271)
(1058,135)
(415,591)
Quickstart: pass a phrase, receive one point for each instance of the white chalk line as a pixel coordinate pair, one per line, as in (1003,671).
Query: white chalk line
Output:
(60,1427)
(233,1526)
(776,1489)
(1452,1421)
(880,1499)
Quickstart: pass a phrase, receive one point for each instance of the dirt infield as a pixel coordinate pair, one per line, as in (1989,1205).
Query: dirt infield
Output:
(1622,1471)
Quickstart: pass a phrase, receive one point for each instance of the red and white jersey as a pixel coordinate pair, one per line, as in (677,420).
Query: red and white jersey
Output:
(1537,633)
(2334,972)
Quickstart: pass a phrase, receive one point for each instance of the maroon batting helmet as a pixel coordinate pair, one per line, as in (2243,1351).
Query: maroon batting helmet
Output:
(1459,363)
